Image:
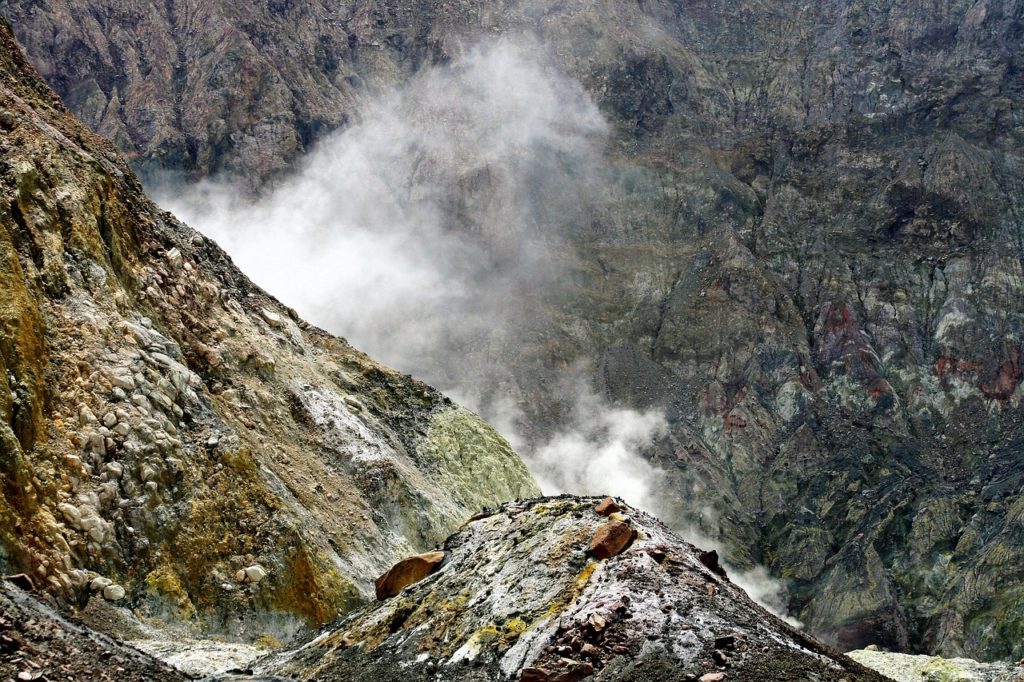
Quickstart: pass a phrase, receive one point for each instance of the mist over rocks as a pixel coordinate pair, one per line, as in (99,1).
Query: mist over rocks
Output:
(805,254)
(173,438)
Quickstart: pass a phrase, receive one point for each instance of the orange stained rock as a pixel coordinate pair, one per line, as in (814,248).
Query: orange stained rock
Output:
(611,538)
(406,572)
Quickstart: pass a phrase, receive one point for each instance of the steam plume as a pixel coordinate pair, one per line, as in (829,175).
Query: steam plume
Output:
(412,232)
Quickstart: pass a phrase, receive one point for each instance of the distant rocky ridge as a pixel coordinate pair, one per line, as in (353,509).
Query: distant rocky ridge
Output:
(174,439)
(809,255)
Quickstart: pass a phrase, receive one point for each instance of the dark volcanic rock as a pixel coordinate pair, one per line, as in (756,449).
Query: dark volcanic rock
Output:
(519,598)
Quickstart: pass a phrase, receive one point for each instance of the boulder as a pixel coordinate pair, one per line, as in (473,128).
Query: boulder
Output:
(406,572)
(611,538)
(607,507)
(272,318)
(113,592)
(251,574)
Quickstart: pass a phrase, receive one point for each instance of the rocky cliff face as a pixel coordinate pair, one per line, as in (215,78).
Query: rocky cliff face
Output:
(540,591)
(808,254)
(174,439)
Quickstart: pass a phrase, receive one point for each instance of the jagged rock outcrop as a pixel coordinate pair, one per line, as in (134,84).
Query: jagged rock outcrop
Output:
(519,597)
(174,439)
(808,254)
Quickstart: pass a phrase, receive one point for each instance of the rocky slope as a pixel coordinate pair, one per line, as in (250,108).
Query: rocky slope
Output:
(175,440)
(38,643)
(807,252)
(539,590)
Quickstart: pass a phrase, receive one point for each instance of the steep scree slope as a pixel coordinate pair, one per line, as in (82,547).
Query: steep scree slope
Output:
(166,425)
(808,253)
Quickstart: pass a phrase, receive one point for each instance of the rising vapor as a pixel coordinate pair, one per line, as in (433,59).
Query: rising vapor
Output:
(412,232)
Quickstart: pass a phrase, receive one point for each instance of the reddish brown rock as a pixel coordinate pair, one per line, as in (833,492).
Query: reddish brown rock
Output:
(534,675)
(406,572)
(574,672)
(607,507)
(710,559)
(611,538)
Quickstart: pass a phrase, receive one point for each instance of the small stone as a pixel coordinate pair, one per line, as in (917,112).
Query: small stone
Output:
(97,444)
(97,534)
(71,514)
(533,675)
(123,382)
(611,539)
(174,258)
(406,572)
(710,559)
(254,574)
(657,553)
(85,416)
(109,420)
(576,671)
(113,592)
(273,319)
(725,642)
(712,677)
(607,507)
(100,583)
(22,580)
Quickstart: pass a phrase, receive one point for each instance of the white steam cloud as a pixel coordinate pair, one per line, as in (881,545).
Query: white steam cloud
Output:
(413,233)
(402,233)
(599,453)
